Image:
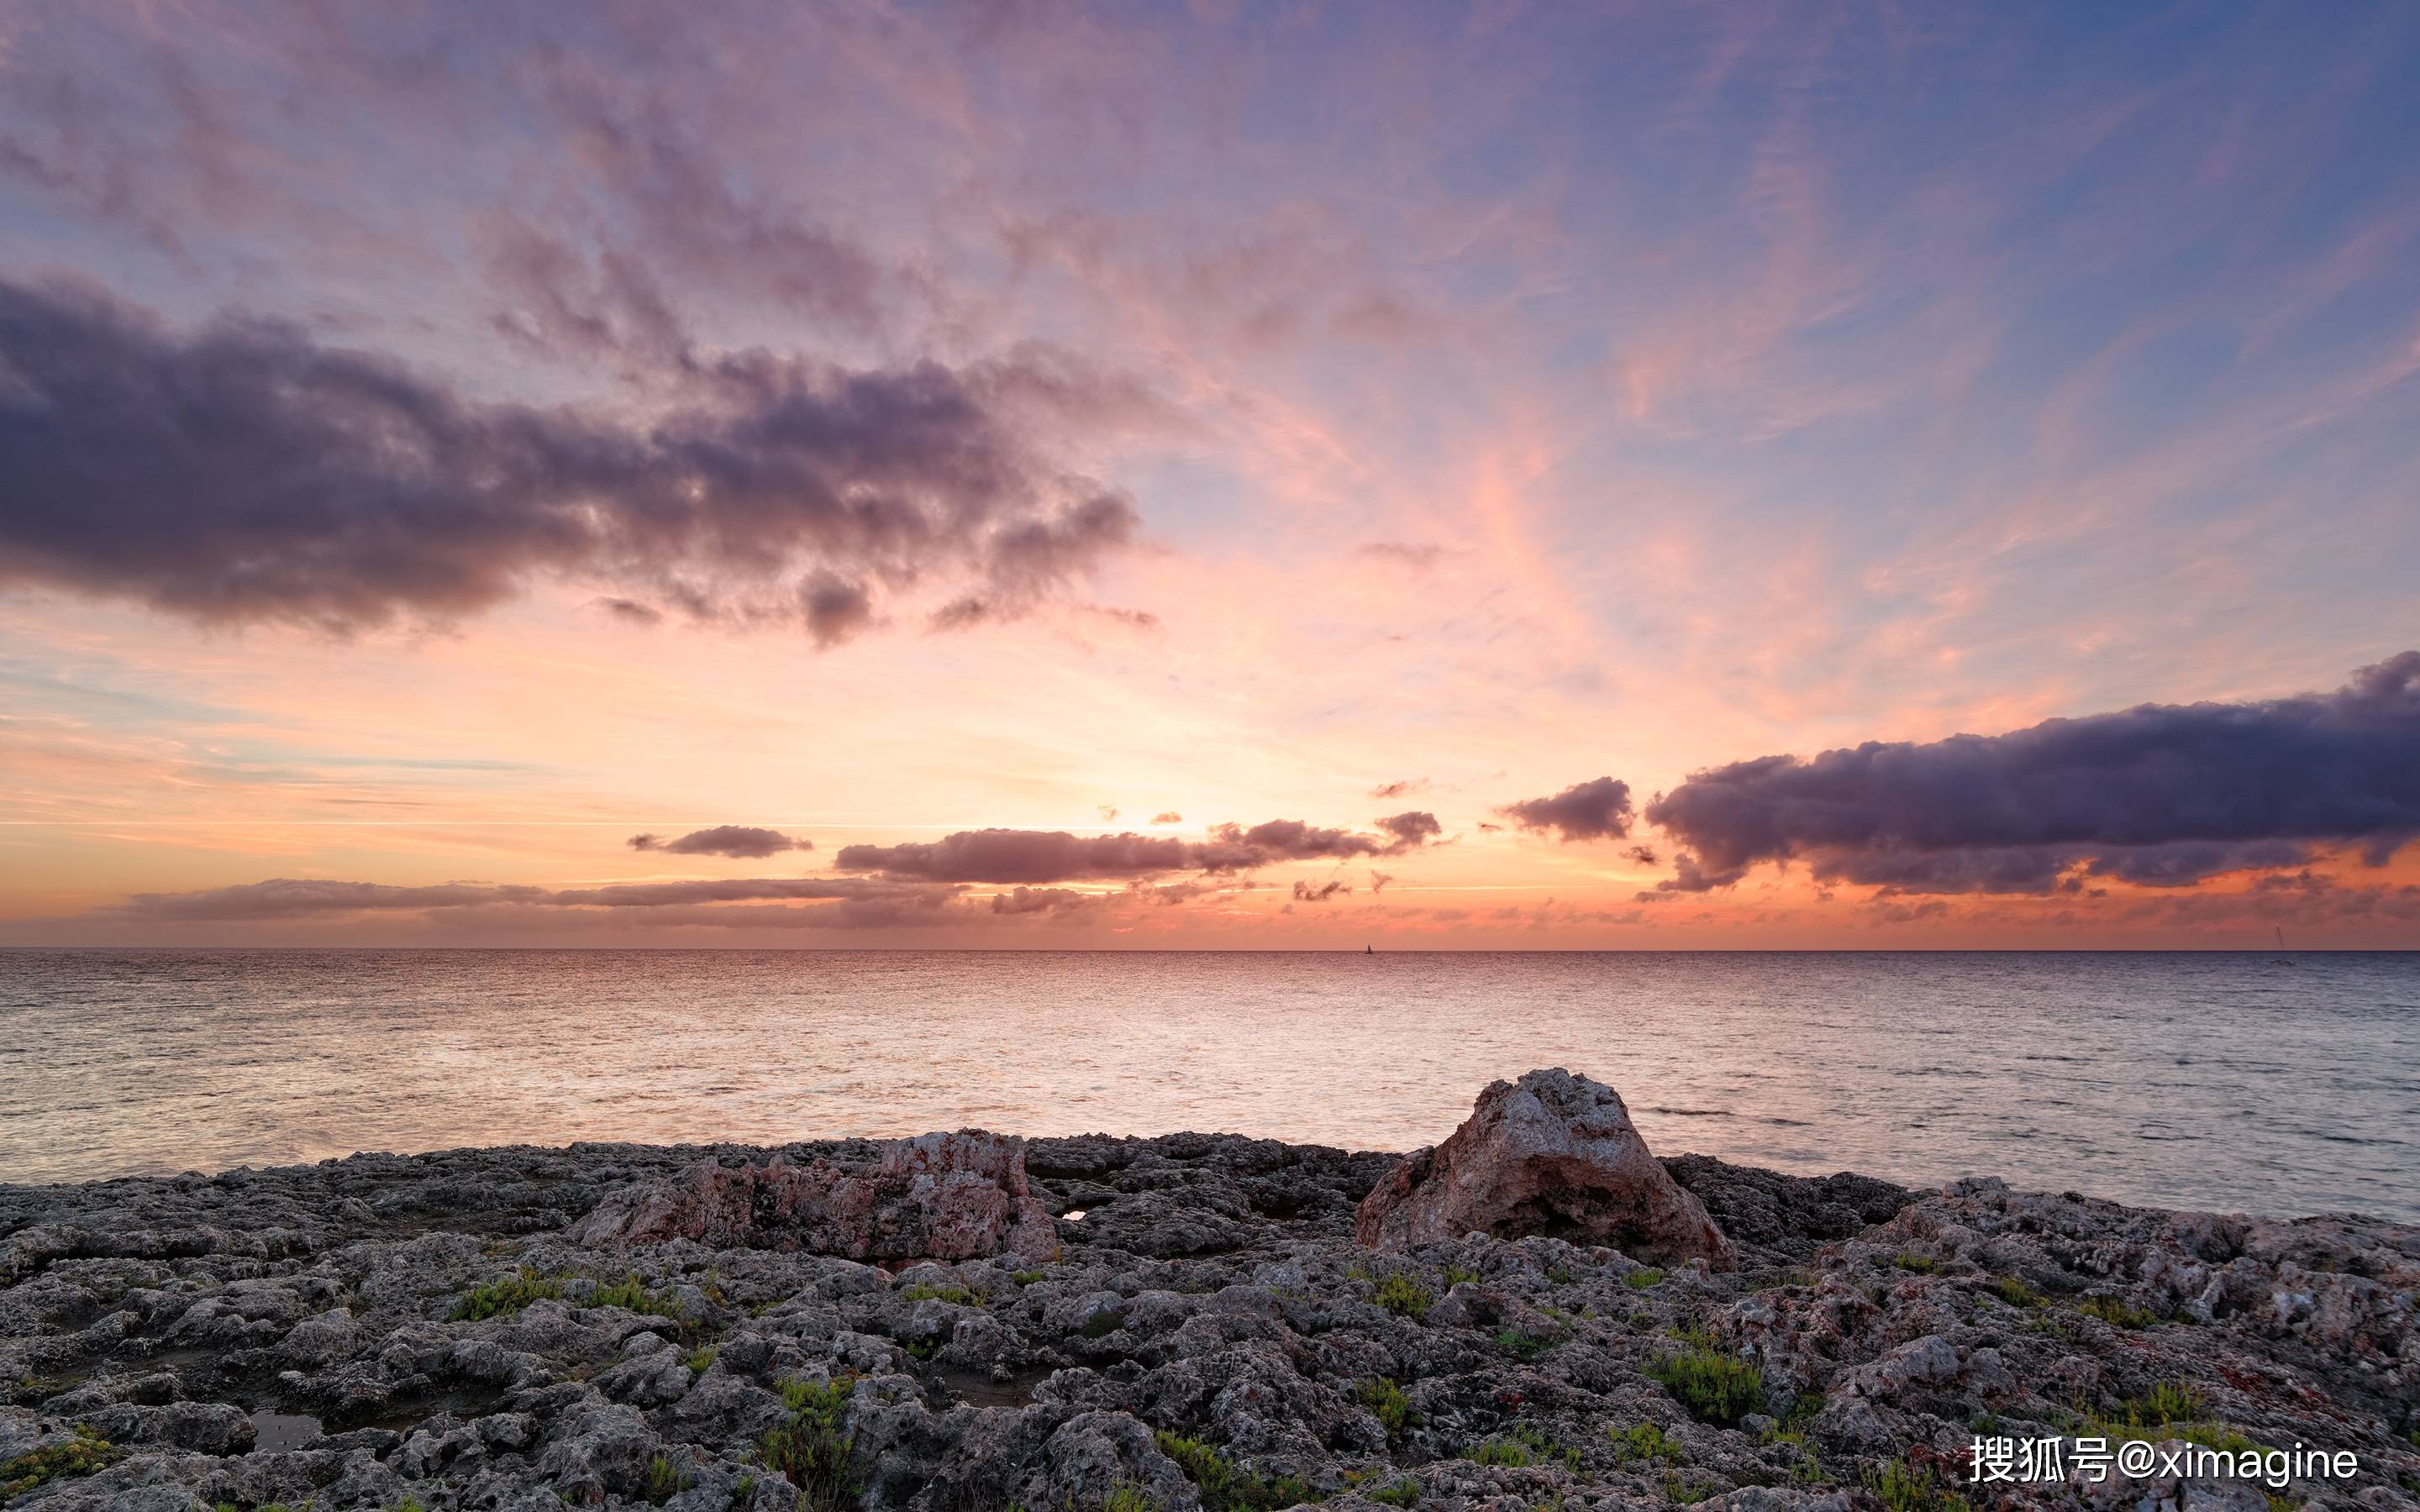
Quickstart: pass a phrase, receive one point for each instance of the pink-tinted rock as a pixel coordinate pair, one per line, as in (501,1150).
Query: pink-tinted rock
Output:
(1553,1154)
(939,1196)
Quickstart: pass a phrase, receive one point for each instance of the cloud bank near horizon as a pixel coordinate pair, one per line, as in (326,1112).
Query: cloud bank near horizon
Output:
(853,902)
(1039,855)
(2159,796)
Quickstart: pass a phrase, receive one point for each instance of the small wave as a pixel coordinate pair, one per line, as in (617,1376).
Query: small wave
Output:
(1694,1113)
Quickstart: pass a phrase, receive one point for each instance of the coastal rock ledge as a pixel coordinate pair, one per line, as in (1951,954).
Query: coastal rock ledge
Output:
(1552,1155)
(631,1326)
(939,1196)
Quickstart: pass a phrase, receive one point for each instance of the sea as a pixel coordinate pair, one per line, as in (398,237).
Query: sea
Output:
(2189,1080)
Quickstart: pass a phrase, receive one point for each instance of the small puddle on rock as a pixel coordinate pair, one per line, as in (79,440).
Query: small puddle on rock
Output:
(978,1388)
(274,1432)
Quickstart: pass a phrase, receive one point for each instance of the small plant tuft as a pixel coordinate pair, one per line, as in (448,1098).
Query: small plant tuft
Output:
(1715,1387)
(663,1482)
(810,1451)
(2170,1409)
(1522,1346)
(500,1298)
(1697,1336)
(1126,1496)
(1920,1264)
(1224,1487)
(84,1453)
(1642,1443)
(956,1296)
(1644,1277)
(1902,1488)
(1510,1453)
(1387,1403)
(632,1295)
(2016,1293)
(2116,1311)
(1401,1295)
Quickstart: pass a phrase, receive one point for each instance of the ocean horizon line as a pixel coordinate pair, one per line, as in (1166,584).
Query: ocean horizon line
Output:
(1161,949)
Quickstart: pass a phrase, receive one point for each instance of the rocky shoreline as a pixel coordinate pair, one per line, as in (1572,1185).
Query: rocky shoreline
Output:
(1197,1323)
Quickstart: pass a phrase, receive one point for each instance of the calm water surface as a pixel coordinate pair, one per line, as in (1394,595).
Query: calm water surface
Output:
(2193,1080)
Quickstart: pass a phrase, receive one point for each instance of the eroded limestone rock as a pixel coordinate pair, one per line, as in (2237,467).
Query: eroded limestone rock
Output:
(944,1197)
(1552,1154)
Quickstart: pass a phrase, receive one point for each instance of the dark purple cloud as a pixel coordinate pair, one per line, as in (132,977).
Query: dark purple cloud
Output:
(837,609)
(1411,829)
(1598,809)
(1045,855)
(1028,856)
(1403,788)
(1305,892)
(1039,901)
(1232,847)
(2159,794)
(631,610)
(739,841)
(243,471)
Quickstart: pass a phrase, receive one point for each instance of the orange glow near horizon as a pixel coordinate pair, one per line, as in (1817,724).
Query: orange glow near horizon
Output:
(877,426)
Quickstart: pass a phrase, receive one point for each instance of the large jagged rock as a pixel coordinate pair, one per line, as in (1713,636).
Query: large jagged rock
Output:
(939,1196)
(1551,1155)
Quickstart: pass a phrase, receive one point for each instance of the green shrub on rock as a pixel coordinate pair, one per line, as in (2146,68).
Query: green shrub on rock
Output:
(1403,1295)
(1716,1388)
(1224,1487)
(810,1451)
(499,1299)
(84,1453)
(1387,1403)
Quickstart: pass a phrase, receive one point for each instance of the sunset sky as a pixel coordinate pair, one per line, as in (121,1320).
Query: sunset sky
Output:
(1296,474)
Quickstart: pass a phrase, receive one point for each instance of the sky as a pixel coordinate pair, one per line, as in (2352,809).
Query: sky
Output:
(1297,475)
